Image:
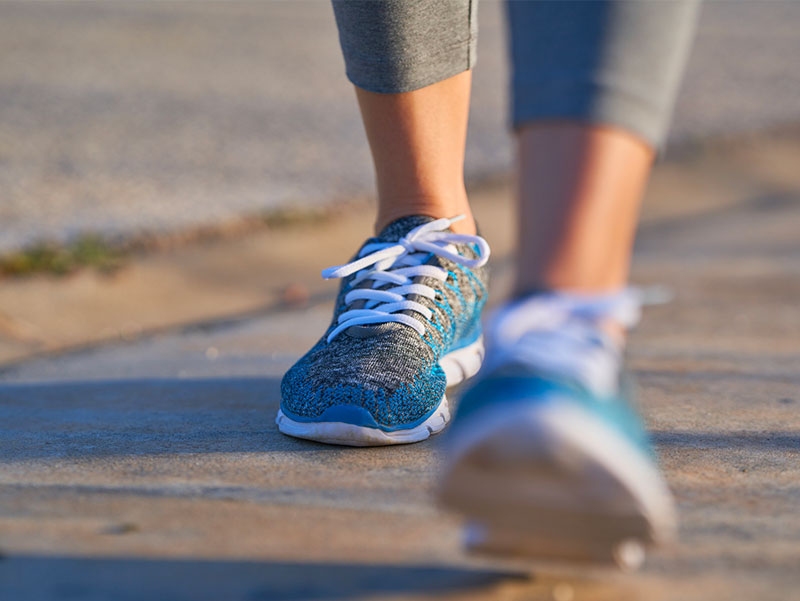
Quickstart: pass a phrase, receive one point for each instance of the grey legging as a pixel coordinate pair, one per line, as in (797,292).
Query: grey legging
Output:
(616,62)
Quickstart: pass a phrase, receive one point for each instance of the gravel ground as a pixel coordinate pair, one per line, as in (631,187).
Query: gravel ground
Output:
(132,117)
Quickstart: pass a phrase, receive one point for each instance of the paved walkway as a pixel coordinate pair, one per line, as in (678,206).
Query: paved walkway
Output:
(153,469)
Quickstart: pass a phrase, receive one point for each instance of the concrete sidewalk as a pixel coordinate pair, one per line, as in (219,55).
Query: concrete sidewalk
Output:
(152,469)
(250,273)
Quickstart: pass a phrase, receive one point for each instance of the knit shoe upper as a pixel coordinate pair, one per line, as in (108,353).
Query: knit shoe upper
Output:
(552,345)
(410,296)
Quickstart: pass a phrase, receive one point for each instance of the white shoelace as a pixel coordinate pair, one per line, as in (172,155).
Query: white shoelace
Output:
(562,334)
(392,266)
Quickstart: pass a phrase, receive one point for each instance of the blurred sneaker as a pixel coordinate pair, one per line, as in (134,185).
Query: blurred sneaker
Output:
(406,326)
(548,459)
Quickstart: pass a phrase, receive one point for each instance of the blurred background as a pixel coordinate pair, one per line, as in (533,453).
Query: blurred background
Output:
(173,177)
(123,118)
(129,128)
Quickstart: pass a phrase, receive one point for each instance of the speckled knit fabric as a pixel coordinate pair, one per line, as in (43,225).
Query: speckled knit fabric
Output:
(389,369)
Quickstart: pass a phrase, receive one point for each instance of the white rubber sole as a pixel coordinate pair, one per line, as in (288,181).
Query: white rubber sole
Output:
(464,363)
(549,482)
(458,366)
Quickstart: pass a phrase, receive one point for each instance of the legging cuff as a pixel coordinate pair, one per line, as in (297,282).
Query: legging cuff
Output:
(594,102)
(397,75)
(393,46)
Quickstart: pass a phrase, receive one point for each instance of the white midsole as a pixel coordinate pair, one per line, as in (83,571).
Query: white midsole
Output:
(361,436)
(529,445)
(463,363)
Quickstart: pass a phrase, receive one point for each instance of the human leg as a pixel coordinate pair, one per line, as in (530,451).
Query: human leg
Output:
(418,140)
(410,61)
(407,319)
(579,189)
(593,87)
(547,456)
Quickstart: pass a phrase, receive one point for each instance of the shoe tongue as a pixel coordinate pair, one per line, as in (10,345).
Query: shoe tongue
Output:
(400,227)
(391,233)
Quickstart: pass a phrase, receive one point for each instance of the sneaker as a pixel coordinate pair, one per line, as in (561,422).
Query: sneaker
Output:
(548,459)
(406,326)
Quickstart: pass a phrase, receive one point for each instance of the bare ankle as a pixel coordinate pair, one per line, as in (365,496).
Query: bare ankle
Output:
(462,226)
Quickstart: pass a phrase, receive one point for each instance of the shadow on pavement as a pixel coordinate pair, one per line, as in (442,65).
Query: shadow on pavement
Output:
(141,417)
(755,441)
(70,420)
(719,374)
(29,578)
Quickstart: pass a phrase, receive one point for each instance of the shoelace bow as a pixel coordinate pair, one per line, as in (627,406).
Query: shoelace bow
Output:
(392,266)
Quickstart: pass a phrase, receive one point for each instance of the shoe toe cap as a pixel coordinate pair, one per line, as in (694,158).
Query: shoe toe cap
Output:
(358,404)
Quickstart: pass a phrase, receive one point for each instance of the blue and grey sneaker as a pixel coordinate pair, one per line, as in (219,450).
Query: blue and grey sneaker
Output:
(406,326)
(548,459)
